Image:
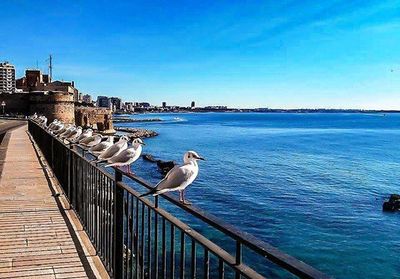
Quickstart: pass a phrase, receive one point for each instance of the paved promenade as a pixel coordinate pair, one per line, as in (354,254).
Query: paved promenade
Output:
(36,238)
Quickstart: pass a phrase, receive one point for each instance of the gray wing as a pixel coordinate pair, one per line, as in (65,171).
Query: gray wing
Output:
(122,157)
(175,177)
(100,147)
(109,152)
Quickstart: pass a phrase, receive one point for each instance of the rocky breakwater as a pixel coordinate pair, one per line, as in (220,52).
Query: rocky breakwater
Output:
(137,133)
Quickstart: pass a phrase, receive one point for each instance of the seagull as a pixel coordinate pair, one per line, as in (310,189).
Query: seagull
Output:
(91,141)
(127,156)
(179,177)
(74,134)
(85,134)
(67,132)
(57,127)
(51,125)
(113,150)
(60,131)
(102,146)
(34,116)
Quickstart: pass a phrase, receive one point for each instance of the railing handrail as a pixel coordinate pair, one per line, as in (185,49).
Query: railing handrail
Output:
(262,248)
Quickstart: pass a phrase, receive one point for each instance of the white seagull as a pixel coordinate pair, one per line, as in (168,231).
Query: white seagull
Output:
(67,132)
(179,177)
(64,128)
(91,141)
(52,124)
(85,134)
(102,146)
(114,149)
(127,156)
(74,134)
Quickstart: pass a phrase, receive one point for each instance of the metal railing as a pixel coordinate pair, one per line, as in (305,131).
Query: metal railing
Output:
(137,237)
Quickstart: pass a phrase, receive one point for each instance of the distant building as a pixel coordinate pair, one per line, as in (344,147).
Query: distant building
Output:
(129,106)
(34,80)
(87,99)
(164,104)
(193,104)
(144,105)
(116,103)
(7,78)
(103,102)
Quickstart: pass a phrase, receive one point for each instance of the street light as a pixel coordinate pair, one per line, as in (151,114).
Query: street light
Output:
(3,104)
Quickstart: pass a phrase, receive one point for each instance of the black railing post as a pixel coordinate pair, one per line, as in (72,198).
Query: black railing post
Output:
(118,227)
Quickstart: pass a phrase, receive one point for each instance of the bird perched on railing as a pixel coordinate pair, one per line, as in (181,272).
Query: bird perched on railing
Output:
(179,177)
(113,150)
(34,116)
(67,132)
(127,156)
(102,146)
(42,120)
(56,127)
(90,141)
(60,131)
(74,134)
(85,134)
(52,124)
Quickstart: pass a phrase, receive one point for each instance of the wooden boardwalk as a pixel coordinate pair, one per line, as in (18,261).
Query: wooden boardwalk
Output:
(36,238)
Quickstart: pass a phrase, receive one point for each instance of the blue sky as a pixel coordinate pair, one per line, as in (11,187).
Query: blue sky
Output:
(279,54)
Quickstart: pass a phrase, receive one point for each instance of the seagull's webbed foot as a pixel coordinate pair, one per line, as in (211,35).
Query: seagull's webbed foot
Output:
(185,202)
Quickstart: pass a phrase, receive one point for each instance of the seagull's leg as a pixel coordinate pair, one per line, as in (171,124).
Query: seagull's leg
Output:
(183,198)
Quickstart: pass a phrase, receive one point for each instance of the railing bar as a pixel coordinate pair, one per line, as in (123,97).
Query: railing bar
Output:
(182,258)
(132,246)
(221,269)
(172,252)
(164,252)
(142,243)
(193,260)
(126,229)
(149,220)
(137,239)
(238,257)
(206,266)
(155,245)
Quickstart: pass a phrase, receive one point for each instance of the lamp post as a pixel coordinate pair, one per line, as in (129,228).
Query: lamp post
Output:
(3,104)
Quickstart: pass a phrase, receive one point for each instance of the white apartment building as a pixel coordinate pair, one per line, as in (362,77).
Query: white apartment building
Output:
(7,78)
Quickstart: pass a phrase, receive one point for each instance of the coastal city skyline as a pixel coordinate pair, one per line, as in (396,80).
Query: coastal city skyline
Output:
(288,55)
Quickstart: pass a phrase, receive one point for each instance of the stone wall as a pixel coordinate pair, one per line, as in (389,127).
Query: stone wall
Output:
(97,118)
(54,105)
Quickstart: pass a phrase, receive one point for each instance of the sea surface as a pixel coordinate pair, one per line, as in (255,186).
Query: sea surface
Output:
(310,184)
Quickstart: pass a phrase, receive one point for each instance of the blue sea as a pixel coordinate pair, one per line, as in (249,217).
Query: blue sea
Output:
(310,184)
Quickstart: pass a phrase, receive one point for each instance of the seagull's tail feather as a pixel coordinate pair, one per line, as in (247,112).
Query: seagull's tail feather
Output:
(152,191)
(100,161)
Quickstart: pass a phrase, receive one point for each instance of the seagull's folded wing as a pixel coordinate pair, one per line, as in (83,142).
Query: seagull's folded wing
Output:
(122,157)
(177,176)
(109,152)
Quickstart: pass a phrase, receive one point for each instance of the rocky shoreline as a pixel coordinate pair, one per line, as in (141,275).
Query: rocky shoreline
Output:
(137,133)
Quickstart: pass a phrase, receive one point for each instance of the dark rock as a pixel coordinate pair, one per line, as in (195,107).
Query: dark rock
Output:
(394,198)
(149,158)
(165,166)
(393,204)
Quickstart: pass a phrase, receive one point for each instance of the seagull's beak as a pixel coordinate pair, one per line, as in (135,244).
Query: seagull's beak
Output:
(201,158)
(143,143)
